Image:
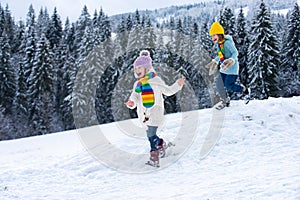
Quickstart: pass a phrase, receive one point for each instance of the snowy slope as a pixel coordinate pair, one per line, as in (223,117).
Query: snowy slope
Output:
(208,10)
(256,157)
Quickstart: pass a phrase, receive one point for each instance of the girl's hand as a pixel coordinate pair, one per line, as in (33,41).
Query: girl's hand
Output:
(181,81)
(129,103)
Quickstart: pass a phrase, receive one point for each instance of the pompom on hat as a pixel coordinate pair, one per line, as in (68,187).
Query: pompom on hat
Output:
(216,28)
(143,60)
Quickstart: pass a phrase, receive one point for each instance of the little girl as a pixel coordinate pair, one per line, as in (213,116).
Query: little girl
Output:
(229,66)
(147,96)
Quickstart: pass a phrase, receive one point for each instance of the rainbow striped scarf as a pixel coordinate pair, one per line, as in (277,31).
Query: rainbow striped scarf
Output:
(147,92)
(221,50)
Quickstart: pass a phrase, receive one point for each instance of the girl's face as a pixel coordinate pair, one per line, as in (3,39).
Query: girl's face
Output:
(140,71)
(215,38)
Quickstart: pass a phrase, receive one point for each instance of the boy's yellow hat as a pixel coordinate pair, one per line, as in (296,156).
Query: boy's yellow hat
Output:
(216,28)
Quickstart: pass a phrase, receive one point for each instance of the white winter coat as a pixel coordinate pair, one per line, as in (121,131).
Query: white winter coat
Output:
(156,112)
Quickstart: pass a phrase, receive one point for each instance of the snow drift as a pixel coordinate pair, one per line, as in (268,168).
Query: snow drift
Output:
(256,156)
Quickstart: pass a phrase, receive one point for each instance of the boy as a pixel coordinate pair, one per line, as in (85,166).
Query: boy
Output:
(229,66)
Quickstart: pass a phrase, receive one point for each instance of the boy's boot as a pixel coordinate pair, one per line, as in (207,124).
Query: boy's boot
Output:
(224,103)
(247,95)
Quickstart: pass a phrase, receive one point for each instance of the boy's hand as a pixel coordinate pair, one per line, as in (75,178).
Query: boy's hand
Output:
(227,63)
(181,81)
(129,103)
(212,67)
(212,64)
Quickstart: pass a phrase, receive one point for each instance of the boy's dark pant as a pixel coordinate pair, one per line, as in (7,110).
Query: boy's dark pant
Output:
(227,81)
(152,137)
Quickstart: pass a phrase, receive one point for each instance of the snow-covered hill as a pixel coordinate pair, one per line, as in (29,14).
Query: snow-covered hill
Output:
(257,156)
(208,10)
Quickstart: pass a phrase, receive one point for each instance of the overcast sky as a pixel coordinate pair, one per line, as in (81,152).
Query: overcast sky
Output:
(73,8)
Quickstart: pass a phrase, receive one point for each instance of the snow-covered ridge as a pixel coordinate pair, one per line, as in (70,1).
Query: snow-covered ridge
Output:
(256,157)
(210,9)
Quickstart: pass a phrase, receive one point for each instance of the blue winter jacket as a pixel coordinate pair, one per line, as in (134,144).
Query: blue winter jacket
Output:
(230,51)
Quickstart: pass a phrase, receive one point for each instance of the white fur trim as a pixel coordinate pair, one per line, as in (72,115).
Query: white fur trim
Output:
(144,53)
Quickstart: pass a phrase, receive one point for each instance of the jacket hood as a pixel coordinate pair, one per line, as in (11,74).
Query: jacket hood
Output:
(228,37)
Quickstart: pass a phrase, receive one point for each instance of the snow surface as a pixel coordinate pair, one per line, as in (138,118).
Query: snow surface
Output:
(256,157)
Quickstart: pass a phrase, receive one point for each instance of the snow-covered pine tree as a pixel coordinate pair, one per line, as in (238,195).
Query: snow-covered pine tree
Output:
(5,126)
(227,20)
(195,30)
(170,34)
(206,40)
(242,43)
(200,54)
(19,33)
(137,19)
(30,20)
(2,19)
(105,25)
(69,36)
(160,56)
(30,44)
(179,38)
(135,40)
(97,26)
(41,91)
(108,86)
(109,48)
(160,43)
(148,34)
(99,33)
(82,24)
(9,28)
(82,85)
(42,23)
(121,39)
(123,79)
(87,80)
(69,75)
(54,33)
(22,89)
(172,23)
(290,54)
(191,33)
(54,30)
(69,71)
(129,23)
(177,61)
(197,94)
(263,55)
(86,46)
(96,61)
(7,75)
(280,24)
(60,56)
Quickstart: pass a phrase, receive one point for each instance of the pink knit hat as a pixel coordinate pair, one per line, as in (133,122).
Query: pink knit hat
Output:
(143,60)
